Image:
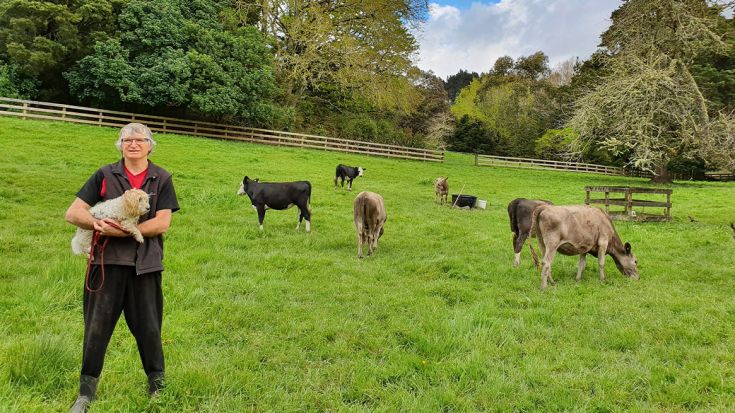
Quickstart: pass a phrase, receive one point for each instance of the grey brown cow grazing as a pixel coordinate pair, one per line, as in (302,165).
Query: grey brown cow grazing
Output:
(370,217)
(278,195)
(579,230)
(519,213)
(441,189)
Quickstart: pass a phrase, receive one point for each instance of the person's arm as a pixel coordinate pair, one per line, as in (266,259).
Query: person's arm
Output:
(157,225)
(78,214)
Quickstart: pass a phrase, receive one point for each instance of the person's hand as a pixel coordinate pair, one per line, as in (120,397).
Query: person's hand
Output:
(110,228)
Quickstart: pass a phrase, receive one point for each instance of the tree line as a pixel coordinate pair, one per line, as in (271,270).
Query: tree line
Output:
(657,95)
(340,68)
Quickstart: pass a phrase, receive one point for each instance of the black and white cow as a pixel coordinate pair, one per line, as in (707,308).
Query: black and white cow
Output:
(278,195)
(349,172)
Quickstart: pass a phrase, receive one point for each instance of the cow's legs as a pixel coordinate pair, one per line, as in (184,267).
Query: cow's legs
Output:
(359,241)
(518,240)
(261,215)
(343,181)
(349,184)
(548,248)
(376,235)
(581,265)
(601,253)
(546,267)
(304,213)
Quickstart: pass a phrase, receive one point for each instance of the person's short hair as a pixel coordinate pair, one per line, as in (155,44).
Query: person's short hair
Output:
(133,128)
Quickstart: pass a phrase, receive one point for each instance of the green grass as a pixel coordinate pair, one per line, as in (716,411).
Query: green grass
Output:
(438,320)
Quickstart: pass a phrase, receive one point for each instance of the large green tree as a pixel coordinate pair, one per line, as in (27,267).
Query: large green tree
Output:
(178,57)
(353,45)
(648,106)
(41,39)
(513,102)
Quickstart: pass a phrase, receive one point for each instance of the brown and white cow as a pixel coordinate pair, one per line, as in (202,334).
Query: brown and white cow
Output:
(441,188)
(519,213)
(370,217)
(579,230)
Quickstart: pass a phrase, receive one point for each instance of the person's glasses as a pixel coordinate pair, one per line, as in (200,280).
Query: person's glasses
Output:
(136,141)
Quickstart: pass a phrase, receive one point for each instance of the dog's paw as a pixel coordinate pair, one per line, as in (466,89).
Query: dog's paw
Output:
(138,237)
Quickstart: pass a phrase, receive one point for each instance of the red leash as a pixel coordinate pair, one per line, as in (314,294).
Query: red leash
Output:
(96,243)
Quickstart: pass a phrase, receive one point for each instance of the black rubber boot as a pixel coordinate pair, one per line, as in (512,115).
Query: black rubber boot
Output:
(87,393)
(155,383)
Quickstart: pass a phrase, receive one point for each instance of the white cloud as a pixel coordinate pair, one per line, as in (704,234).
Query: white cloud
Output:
(473,38)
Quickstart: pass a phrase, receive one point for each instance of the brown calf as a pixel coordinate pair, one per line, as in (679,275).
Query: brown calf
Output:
(441,188)
(579,230)
(370,217)
(519,213)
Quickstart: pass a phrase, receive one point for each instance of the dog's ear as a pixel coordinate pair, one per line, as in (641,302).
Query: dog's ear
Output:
(131,199)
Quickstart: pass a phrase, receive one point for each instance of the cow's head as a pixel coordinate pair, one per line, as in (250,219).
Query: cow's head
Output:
(627,263)
(360,170)
(245,184)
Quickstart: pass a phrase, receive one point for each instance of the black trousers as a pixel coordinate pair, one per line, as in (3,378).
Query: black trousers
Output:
(140,298)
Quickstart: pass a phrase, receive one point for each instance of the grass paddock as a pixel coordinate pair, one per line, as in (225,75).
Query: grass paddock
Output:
(437,320)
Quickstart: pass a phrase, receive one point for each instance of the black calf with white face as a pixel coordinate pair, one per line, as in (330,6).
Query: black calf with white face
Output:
(347,172)
(278,195)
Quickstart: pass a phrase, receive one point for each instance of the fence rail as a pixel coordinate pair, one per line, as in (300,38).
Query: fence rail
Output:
(528,163)
(27,109)
(625,199)
(543,164)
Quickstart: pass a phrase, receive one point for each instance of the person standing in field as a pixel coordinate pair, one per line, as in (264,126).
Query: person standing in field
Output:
(124,276)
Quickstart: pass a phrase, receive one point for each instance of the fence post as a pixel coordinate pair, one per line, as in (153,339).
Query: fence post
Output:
(99,120)
(477,160)
(164,126)
(607,201)
(63,112)
(25,109)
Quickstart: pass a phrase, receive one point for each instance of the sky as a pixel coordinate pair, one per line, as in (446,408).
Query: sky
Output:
(471,35)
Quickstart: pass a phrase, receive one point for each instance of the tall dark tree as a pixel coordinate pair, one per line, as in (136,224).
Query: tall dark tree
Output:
(457,81)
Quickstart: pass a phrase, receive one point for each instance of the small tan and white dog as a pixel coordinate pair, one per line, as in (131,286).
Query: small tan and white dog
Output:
(127,209)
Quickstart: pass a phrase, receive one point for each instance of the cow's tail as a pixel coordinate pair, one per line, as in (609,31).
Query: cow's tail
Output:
(336,175)
(512,216)
(534,220)
(361,210)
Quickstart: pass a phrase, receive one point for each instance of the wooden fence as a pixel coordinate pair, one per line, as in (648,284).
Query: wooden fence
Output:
(542,164)
(625,200)
(27,109)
